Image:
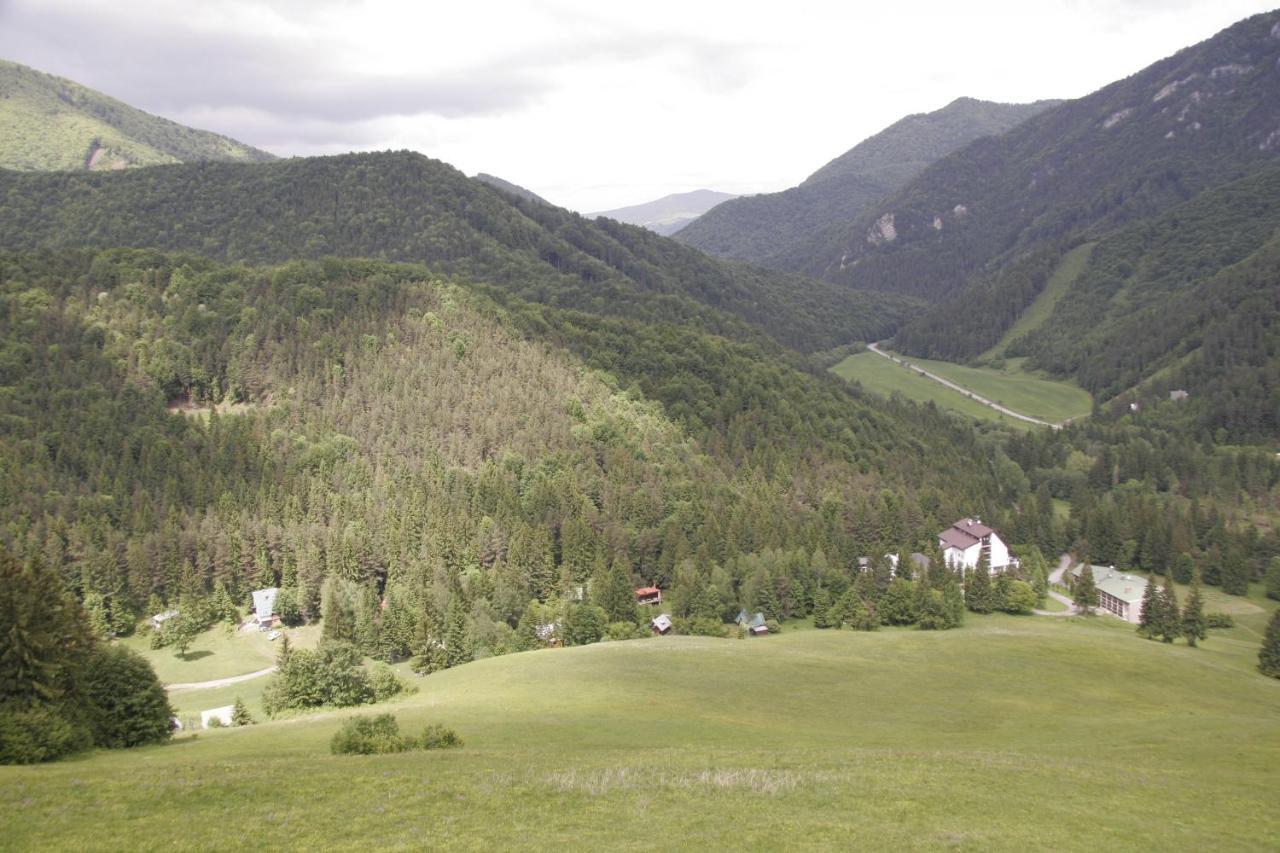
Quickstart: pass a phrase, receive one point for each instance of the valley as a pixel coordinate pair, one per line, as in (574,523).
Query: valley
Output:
(362,498)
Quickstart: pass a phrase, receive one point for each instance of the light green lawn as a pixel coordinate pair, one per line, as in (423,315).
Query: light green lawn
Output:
(1068,270)
(1053,605)
(1027,393)
(884,377)
(1009,734)
(216,654)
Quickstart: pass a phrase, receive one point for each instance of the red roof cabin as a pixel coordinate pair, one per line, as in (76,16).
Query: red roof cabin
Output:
(648,595)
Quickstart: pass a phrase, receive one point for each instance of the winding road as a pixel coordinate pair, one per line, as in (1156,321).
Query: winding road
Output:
(875,348)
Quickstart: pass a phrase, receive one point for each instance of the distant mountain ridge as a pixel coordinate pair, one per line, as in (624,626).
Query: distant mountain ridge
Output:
(49,123)
(403,206)
(776,228)
(670,213)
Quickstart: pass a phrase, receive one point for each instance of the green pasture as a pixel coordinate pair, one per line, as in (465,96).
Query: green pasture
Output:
(1012,733)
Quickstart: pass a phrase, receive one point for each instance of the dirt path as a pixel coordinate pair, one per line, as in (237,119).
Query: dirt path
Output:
(875,348)
(1055,576)
(220,682)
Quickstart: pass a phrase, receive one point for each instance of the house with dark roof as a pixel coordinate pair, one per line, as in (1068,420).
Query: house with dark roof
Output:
(964,542)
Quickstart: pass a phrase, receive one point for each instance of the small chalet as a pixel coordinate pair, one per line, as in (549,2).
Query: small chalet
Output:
(264,608)
(661,624)
(964,542)
(1178,394)
(1119,594)
(757,625)
(648,595)
(157,621)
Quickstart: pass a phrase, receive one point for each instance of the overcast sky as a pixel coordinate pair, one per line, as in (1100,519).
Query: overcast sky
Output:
(592,104)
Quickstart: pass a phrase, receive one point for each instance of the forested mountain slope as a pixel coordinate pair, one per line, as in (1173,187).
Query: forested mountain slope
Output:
(50,123)
(406,207)
(1205,116)
(418,445)
(771,228)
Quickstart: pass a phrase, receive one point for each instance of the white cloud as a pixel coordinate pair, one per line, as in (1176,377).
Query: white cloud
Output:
(592,105)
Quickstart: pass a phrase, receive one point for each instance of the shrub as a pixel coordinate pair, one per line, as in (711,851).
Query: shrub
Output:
(385,682)
(215,723)
(329,675)
(624,631)
(128,706)
(378,735)
(38,734)
(701,626)
(1017,597)
(1219,620)
(438,737)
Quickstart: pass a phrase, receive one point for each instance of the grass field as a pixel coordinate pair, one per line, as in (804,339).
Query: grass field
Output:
(884,377)
(1037,313)
(1011,733)
(1020,391)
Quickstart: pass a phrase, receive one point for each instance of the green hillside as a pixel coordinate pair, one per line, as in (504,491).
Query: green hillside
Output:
(771,228)
(406,207)
(48,123)
(807,740)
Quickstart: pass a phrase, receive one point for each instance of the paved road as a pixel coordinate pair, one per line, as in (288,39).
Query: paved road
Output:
(1055,576)
(220,682)
(875,348)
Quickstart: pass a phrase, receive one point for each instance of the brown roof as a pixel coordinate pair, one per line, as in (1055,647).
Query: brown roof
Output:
(954,537)
(974,528)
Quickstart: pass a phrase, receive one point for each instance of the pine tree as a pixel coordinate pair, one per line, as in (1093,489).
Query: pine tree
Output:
(336,622)
(240,715)
(1150,615)
(457,647)
(1273,578)
(1170,626)
(1085,591)
(1269,654)
(618,595)
(1193,623)
(822,608)
(979,596)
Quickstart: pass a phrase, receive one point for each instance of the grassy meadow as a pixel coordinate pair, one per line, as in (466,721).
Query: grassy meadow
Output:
(1011,733)
(1011,386)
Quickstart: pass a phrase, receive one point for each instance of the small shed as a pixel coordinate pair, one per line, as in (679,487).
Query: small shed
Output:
(264,608)
(157,621)
(222,715)
(648,595)
(661,624)
(1178,394)
(756,625)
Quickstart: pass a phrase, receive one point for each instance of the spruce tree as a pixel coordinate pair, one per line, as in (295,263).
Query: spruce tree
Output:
(1269,654)
(822,608)
(240,715)
(1273,578)
(1150,615)
(457,646)
(979,596)
(336,622)
(1170,620)
(1085,591)
(1193,624)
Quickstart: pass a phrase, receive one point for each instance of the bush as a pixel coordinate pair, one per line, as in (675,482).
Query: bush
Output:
(378,735)
(625,631)
(127,704)
(1017,597)
(38,734)
(701,626)
(329,675)
(385,682)
(1219,620)
(438,737)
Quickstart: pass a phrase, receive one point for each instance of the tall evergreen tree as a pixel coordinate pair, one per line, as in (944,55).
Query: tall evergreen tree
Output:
(1193,622)
(979,594)
(1149,618)
(1170,627)
(1269,654)
(1085,591)
(1273,578)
